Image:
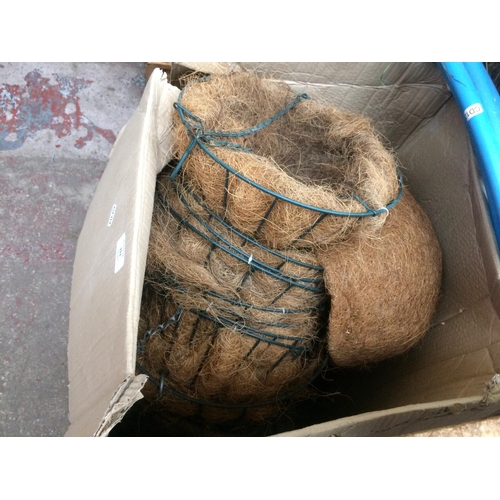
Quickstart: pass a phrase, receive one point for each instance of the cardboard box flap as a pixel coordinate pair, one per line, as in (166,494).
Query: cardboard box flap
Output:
(110,260)
(411,418)
(492,395)
(368,74)
(126,395)
(398,97)
(212,68)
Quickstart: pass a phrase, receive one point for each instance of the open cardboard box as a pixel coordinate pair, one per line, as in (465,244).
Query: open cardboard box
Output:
(450,377)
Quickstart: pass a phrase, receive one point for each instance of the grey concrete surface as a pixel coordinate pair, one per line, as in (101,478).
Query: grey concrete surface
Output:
(58,122)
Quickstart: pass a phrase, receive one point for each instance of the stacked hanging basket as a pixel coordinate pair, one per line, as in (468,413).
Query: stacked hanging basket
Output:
(261,234)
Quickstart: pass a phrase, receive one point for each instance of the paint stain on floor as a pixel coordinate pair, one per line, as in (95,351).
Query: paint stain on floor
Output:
(26,110)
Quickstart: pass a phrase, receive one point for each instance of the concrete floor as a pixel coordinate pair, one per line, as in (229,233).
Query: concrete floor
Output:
(58,122)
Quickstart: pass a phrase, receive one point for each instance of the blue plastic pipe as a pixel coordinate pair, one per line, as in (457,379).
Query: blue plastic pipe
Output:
(479,103)
(488,93)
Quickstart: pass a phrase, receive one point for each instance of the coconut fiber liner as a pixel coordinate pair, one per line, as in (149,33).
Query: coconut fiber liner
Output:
(272,195)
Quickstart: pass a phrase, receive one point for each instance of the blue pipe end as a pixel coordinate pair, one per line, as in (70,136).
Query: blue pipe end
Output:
(479,103)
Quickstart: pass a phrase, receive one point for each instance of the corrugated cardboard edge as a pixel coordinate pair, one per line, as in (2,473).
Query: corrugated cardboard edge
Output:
(492,394)
(214,68)
(101,356)
(126,395)
(409,419)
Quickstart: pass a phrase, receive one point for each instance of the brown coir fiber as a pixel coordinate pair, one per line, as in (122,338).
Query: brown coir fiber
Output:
(196,264)
(383,289)
(203,361)
(252,325)
(315,154)
(244,336)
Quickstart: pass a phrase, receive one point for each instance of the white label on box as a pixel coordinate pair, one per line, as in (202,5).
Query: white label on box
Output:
(112,215)
(120,253)
(473,110)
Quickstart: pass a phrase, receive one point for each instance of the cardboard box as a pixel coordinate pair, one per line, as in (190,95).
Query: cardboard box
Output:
(151,66)
(449,378)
